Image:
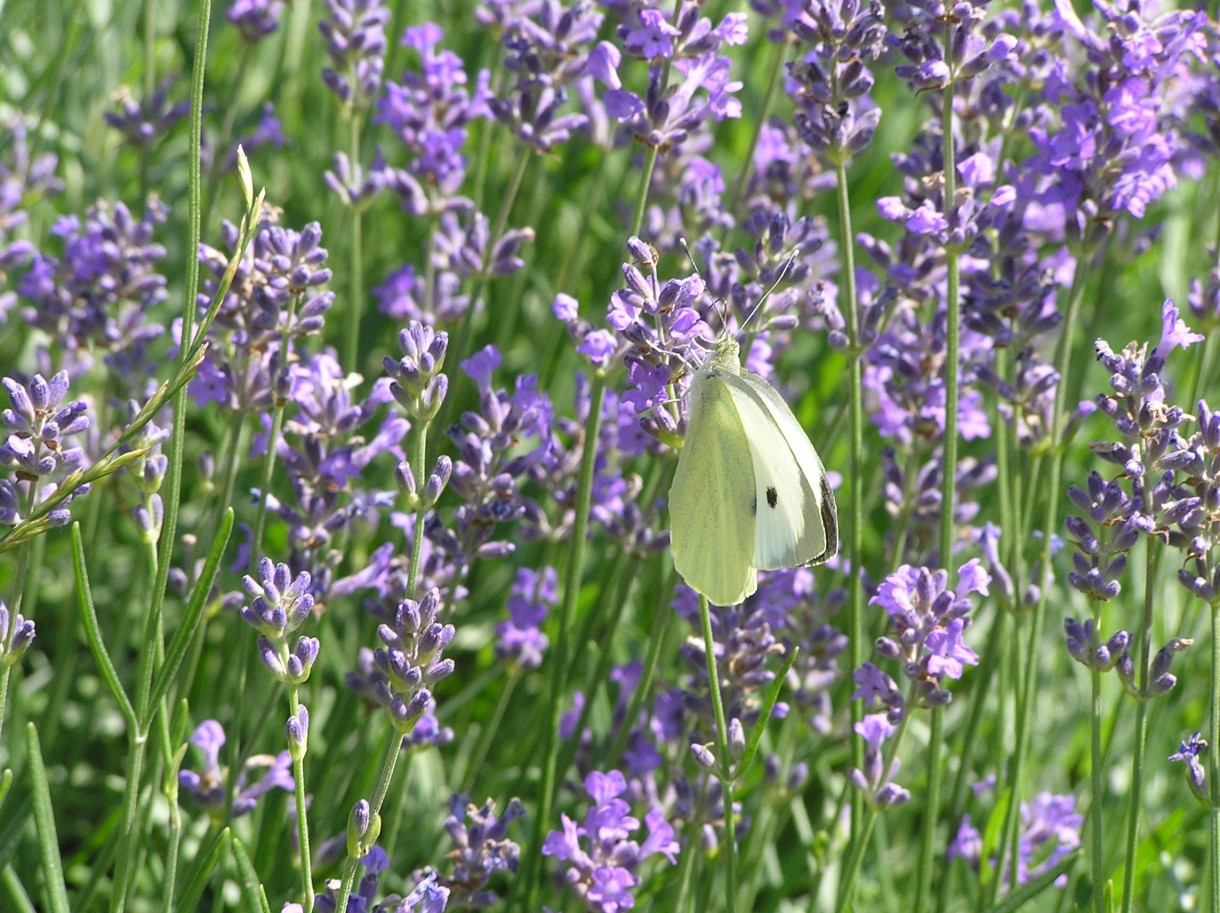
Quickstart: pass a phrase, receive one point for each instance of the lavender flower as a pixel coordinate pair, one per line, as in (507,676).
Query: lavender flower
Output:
(16,635)
(927,620)
(835,114)
(601,858)
(280,604)
(35,447)
(208,787)
(143,123)
(1050,830)
(873,780)
(481,850)
(364,896)
(100,292)
(255,19)
(354,32)
(520,639)
(409,660)
(1190,753)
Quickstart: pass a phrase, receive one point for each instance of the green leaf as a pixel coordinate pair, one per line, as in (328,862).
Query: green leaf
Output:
(44,819)
(93,633)
(206,862)
(251,887)
(181,640)
(768,705)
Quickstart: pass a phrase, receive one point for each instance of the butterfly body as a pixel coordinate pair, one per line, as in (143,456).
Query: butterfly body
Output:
(750,492)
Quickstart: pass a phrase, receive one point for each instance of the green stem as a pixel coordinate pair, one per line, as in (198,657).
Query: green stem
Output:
(855,507)
(1213,737)
(724,762)
(355,304)
(1025,703)
(1097,787)
(298,777)
(389,760)
(759,119)
(948,491)
(559,656)
(1142,672)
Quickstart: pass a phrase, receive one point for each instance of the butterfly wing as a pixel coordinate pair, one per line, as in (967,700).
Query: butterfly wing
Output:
(797,522)
(711,501)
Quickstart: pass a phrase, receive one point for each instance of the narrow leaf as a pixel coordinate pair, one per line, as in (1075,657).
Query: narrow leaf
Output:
(44,819)
(93,633)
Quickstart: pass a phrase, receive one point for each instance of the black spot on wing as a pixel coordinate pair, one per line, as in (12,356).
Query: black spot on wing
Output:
(772,497)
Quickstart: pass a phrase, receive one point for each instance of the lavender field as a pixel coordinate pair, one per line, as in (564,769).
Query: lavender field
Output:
(345,349)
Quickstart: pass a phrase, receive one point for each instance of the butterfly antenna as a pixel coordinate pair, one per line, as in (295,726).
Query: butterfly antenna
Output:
(767,294)
(724,314)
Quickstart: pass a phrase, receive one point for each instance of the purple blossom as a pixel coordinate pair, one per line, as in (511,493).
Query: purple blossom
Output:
(927,620)
(409,661)
(16,635)
(98,294)
(520,640)
(1190,753)
(280,603)
(144,123)
(874,780)
(255,19)
(481,849)
(208,786)
(364,895)
(601,857)
(1049,830)
(354,33)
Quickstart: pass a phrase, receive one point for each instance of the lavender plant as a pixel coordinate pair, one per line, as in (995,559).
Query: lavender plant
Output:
(415,424)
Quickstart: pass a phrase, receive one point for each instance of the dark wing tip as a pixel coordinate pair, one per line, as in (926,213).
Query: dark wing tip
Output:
(830,524)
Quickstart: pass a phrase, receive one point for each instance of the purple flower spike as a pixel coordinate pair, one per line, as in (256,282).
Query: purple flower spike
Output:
(16,635)
(410,659)
(280,602)
(601,857)
(354,32)
(927,620)
(1190,753)
(481,849)
(255,19)
(144,123)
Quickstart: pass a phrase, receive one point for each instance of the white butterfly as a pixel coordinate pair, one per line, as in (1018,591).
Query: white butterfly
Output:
(750,492)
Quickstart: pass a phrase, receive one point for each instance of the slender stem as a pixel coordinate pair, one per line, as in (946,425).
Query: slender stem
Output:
(1050,520)
(855,509)
(355,303)
(759,119)
(1142,672)
(389,760)
(417,534)
(559,656)
(302,808)
(1213,737)
(723,768)
(948,491)
(1097,787)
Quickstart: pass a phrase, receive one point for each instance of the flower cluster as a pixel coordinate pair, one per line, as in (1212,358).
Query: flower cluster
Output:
(601,857)
(208,787)
(927,620)
(35,447)
(874,780)
(409,661)
(481,849)
(16,635)
(1050,830)
(520,640)
(280,603)
(354,32)
(144,123)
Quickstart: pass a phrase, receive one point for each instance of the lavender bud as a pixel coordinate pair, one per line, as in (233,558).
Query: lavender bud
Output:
(737,739)
(297,731)
(405,479)
(363,828)
(703,756)
(438,480)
